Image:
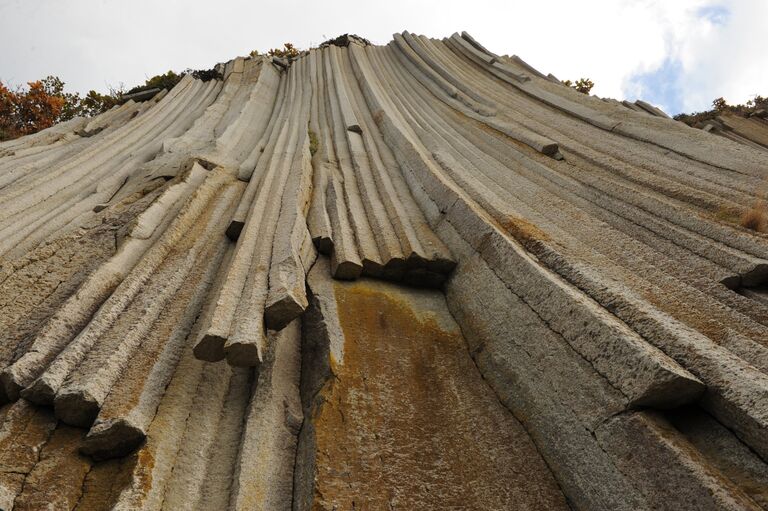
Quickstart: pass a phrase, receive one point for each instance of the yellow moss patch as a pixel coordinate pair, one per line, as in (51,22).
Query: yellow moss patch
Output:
(408,423)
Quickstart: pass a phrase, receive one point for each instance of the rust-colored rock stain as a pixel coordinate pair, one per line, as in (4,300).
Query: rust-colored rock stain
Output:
(408,422)
(56,480)
(35,286)
(107,479)
(523,230)
(41,466)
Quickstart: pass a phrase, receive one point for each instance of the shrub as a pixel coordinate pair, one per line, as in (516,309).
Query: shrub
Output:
(720,106)
(23,112)
(164,81)
(44,102)
(756,218)
(583,85)
(205,75)
(288,51)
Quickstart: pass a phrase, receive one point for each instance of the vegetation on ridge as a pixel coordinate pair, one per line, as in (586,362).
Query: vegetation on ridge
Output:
(288,51)
(756,217)
(171,78)
(720,106)
(583,85)
(43,103)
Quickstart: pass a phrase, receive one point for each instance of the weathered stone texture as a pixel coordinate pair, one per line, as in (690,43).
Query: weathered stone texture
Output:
(403,418)
(179,330)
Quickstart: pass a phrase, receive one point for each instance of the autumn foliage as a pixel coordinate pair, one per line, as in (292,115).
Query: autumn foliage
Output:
(27,111)
(43,103)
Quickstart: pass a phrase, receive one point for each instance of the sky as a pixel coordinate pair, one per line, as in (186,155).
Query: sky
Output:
(676,54)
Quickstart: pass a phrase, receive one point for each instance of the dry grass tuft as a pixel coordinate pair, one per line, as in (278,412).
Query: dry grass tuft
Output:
(756,218)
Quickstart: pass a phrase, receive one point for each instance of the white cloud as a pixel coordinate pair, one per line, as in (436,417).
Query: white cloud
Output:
(728,60)
(90,43)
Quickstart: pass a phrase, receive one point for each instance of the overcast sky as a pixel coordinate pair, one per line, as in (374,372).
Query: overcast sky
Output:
(677,54)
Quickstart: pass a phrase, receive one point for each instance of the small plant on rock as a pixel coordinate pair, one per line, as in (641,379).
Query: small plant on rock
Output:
(583,85)
(756,218)
(287,52)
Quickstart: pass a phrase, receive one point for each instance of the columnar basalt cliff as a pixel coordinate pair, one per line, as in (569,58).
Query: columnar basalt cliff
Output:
(752,130)
(411,276)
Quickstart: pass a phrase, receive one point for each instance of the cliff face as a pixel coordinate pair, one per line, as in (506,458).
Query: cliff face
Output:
(412,276)
(752,130)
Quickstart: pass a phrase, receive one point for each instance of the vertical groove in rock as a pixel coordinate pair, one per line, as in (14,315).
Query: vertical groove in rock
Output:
(590,252)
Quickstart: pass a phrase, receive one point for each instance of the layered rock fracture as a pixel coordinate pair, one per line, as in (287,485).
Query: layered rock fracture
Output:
(554,305)
(752,130)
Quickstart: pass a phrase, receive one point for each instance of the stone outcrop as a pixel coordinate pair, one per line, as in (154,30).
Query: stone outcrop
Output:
(369,349)
(411,276)
(751,131)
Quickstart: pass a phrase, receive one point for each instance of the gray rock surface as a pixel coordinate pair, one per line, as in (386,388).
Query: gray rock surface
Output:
(211,299)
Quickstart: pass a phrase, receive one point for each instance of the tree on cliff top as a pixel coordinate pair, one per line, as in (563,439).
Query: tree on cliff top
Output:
(25,111)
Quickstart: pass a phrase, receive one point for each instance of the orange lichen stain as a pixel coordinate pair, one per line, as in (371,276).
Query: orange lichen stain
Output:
(704,321)
(522,230)
(145,462)
(653,423)
(408,423)
(252,497)
(499,135)
(134,376)
(61,477)
(27,429)
(107,479)
(56,480)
